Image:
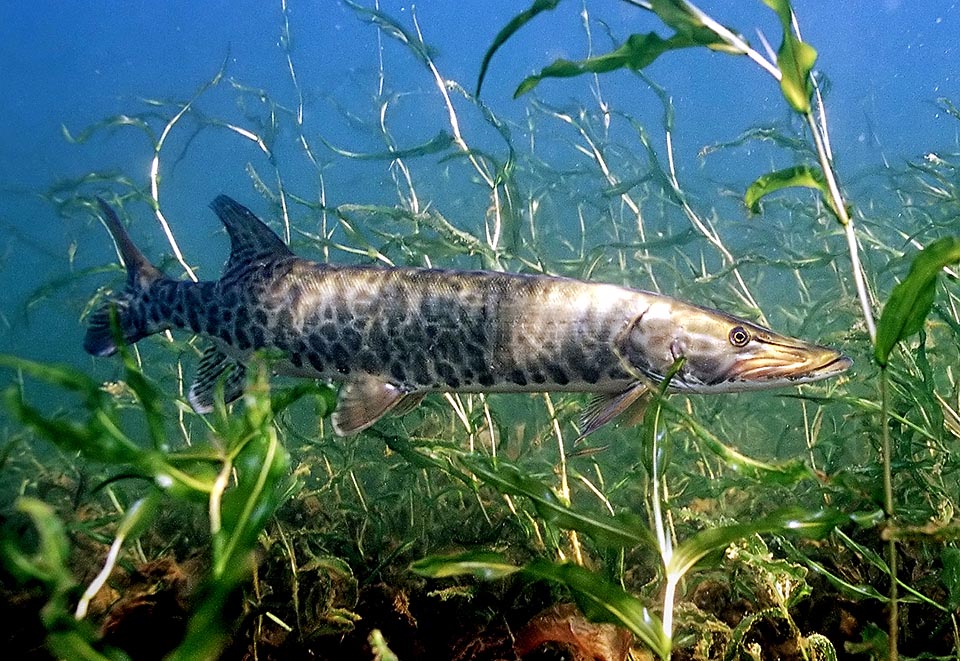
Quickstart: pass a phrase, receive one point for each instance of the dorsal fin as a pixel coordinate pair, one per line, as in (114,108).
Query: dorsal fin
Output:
(140,272)
(250,238)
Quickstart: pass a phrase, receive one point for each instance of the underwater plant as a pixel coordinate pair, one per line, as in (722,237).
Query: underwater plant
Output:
(255,532)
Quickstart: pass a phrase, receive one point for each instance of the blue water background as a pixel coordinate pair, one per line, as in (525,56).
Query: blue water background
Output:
(72,64)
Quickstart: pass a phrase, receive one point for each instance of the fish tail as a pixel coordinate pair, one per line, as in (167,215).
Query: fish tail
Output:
(121,318)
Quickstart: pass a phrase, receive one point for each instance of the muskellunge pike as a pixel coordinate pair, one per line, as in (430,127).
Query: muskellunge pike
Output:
(391,335)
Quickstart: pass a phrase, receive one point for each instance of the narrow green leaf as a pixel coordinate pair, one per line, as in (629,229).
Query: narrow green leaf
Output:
(786,473)
(950,576)
(62,376)
(508,31)
(816,523)
(109,123)
(604,601)
(910,301)
(485,565)
(636,53)
(795,59)
(679,17)
(49,563)
(438,143)
(622,530)
(798,175)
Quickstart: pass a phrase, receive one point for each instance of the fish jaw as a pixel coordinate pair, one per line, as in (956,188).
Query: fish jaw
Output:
(771,363)
(721,353)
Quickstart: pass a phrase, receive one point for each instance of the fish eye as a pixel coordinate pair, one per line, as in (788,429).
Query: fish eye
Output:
(739,336)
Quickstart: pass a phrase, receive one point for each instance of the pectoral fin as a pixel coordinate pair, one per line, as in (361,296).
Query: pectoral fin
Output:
(365,400)
(604,408)
(216,370)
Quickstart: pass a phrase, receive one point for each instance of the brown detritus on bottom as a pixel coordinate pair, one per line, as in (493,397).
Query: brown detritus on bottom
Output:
(155,592)
(565,625)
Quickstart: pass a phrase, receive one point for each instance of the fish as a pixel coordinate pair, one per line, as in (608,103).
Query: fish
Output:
(390,335)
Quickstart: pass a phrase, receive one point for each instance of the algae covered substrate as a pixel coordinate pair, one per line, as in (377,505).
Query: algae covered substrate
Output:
(792,164)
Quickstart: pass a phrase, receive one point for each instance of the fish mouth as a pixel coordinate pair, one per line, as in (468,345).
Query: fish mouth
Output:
(788,365)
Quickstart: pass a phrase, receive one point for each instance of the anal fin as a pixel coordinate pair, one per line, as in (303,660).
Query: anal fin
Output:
(365,400)
(604,408)
(216,370)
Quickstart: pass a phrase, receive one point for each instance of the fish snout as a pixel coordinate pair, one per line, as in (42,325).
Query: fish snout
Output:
(776,364)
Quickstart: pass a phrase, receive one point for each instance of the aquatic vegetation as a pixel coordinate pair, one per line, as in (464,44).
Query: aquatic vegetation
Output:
(726,527)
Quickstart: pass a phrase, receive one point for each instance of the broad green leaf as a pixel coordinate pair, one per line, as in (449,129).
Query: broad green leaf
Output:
(509,30)
(795,59)
(486,565)
(638,52)
(910,301)
(798,175)
(815,523)
(604,601)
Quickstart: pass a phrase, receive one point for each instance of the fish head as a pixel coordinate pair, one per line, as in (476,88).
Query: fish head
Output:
(721,352)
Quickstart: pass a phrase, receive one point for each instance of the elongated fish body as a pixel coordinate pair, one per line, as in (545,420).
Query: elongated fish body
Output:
(391,335)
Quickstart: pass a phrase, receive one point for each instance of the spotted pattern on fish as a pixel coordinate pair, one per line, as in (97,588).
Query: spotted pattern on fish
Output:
(389,333)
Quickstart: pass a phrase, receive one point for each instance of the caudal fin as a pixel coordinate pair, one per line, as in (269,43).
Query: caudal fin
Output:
(120,315)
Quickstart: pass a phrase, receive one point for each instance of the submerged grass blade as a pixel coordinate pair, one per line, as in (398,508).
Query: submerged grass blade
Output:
(621,530)
(485,565)
(638,52)
(508,31)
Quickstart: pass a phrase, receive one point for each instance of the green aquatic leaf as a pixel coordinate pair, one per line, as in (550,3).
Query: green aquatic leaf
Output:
(910,301)
(950,576)
(378,645)
(808,523)
(636,53)
(798,175)
(604,601)
(391,27)
(509,30)
(622,530)
(598,598)
(67,638)
(62,376)
(109,123)
(678,15)
(785,473)
(97,438)
(48,564)
(486,565)
(260,485)
(437,143)
(795,59)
